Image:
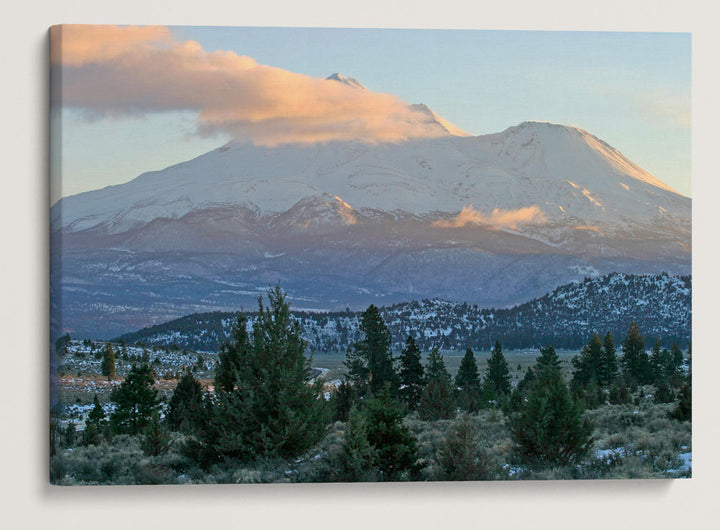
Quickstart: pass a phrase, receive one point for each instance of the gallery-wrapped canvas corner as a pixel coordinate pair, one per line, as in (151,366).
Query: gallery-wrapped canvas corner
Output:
(337,255)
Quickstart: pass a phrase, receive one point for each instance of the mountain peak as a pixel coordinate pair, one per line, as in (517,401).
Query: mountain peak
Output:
(349,81)
(446,125)
(552,144)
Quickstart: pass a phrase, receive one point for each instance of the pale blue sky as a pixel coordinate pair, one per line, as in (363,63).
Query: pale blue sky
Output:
(630,89)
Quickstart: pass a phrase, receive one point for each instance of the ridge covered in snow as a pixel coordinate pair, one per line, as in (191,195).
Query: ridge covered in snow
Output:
(565,173)
(566,317)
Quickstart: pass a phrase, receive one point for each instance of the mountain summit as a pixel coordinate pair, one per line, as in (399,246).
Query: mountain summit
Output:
(349,81)
(492,219)
(567,174)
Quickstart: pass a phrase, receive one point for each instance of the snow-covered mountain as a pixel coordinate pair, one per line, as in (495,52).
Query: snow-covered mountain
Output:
(569,175)
(491,219)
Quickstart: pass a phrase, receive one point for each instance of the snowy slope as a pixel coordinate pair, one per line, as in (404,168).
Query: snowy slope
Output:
(493,220)
(568,174)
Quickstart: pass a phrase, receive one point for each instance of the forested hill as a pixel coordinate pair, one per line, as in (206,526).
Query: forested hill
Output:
(567,317)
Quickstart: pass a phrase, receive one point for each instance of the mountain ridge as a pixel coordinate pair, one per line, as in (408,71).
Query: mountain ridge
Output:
(492,219)
(566,317)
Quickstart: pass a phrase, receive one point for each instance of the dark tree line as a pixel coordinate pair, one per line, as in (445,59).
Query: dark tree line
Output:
(564,318)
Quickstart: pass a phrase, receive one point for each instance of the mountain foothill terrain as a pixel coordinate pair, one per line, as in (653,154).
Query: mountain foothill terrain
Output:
(491,220)
(566,317)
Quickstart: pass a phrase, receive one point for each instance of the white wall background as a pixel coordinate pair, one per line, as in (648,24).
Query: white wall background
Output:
(27,500)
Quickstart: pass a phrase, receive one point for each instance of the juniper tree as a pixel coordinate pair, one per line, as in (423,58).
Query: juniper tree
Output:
(467,383)
(411,374)
(663,393)
(69,435)
(497,374)
(369,361)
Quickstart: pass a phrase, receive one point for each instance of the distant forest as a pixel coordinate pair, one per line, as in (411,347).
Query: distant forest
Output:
(660,304)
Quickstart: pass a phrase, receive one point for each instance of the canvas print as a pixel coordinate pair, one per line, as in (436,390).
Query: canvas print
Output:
(339,255)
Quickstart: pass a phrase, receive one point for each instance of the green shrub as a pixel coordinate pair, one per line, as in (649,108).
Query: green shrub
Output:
(460,456)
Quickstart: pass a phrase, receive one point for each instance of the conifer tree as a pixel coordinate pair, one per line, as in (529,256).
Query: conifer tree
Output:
(95,424)
(520,392)
(663,393)
(156,439)
(683,410)
(61,345)
(676,356)
(436,401)
(369,362)
(589,364)
(497,374)
(343,400)
(55,435)
(620,393)
(657,364)
(232,354)
(136,399)
(467,383)
(436,366)
(69,435)
(107,366)
(636,366)
(411,374)
(273,409)
(609,365)
(357,460)
(548,358)
(394,445)
(548,430)
(185,408)
(97,414)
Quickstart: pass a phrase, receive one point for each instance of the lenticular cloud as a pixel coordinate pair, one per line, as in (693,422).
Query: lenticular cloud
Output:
(111,71)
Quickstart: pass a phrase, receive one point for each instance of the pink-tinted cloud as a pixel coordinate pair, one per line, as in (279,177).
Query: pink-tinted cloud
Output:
(141,70)
(498,218)
(80,44)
